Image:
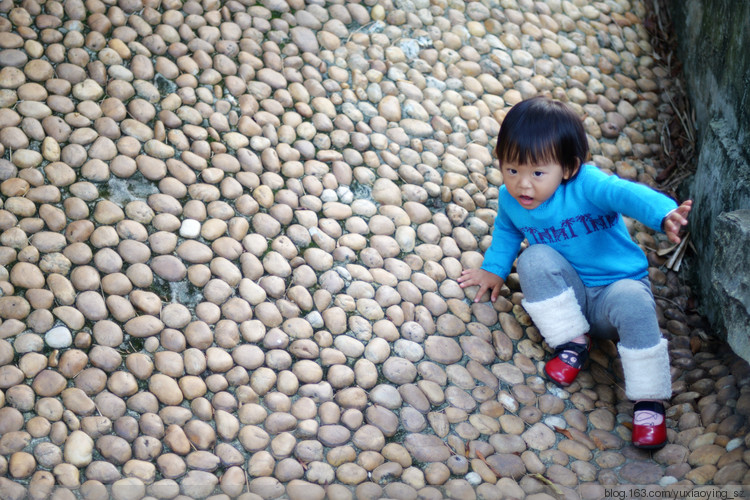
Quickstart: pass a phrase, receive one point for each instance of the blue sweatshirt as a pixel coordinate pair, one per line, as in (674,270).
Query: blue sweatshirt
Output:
(582,222)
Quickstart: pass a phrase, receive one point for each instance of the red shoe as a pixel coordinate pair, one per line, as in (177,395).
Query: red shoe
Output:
(568,360)
(649,425)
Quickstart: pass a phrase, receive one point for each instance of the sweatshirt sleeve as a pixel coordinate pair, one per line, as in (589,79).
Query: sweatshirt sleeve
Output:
(506,241)
(637,201)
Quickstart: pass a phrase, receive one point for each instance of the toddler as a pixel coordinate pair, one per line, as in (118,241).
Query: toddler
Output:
(582,274)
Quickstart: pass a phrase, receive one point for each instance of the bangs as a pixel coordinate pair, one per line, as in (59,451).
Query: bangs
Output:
(529,148)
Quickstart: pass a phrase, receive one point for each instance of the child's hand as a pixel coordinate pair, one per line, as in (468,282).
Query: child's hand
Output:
(674,221)
(486,280)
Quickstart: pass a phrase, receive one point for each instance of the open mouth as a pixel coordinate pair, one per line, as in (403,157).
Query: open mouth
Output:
(526,200)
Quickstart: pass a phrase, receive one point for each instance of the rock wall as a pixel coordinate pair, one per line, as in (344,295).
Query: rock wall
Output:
(713,47)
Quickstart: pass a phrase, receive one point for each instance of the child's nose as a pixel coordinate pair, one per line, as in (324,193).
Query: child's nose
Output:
(524,181)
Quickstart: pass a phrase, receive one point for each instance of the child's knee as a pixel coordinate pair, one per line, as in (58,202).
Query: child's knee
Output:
(536,258)
(633,314)
(634,292)
(533,256)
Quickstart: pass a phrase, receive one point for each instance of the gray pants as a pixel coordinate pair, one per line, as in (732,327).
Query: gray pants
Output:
(563,308)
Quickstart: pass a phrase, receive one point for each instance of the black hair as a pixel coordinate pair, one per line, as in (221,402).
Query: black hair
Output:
(540,130)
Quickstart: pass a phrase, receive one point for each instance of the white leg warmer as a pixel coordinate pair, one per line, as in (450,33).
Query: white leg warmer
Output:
(559,319)
(646,372)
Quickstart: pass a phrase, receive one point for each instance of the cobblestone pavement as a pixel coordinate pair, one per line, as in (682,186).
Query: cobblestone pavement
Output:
(230,235)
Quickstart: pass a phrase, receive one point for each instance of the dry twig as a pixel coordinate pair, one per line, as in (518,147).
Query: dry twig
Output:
(675,261)
(678,134)
(480,456)
(549,483)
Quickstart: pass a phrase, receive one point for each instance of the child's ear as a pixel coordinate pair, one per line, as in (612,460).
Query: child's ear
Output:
(568,174)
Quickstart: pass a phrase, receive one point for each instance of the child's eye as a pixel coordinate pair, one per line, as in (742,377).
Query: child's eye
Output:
(538,173)
(512,171)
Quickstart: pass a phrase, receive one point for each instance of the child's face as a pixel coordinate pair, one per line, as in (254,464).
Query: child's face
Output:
(532,185)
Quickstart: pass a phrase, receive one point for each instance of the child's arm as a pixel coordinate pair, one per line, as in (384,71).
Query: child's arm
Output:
(487,281)
(632,199)
(498,259)
(675,219)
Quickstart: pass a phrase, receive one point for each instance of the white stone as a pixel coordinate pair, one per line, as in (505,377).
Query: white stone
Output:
(345,194)
(59,337)
(507,401)
(315,319)
(734,443)
(556,391)
(343,272)
(328,195)
(667,480)
(190,228)
(555,421)
(409,350)
(473,478)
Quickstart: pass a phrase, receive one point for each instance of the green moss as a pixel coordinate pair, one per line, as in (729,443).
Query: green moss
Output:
(165,85)
(161,288)
(131,345)
(360,191)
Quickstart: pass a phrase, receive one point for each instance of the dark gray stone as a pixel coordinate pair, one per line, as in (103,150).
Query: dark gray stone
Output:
(713,41)
(730,279)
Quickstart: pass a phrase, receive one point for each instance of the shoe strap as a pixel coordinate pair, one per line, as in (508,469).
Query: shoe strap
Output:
(654,406)
(579,349)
